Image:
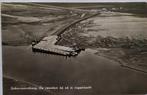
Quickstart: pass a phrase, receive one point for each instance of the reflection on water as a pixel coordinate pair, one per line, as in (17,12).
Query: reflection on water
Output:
(104,75)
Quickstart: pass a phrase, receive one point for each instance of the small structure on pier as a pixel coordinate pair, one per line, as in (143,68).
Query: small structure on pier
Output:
(47,45)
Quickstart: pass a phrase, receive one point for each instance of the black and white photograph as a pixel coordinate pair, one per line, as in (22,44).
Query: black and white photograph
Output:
(74,48)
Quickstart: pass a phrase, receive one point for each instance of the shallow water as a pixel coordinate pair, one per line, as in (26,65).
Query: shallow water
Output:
(104,75)
(120,26)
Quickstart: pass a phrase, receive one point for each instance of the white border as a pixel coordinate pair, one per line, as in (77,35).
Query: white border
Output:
(65,1)
(1,89)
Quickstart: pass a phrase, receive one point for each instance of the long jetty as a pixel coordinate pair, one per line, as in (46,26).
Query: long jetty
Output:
(63,29)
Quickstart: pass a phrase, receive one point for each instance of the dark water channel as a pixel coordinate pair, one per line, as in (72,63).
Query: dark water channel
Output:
(102,74)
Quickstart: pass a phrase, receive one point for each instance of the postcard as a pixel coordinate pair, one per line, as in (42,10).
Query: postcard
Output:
(74,48)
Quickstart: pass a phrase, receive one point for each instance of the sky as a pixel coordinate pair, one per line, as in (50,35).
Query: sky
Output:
(73,0)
